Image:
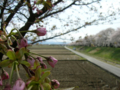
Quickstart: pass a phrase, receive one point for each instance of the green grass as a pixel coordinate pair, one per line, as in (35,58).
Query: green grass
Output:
(106,53)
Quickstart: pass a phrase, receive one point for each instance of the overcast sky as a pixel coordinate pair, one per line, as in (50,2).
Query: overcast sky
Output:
(89,30)
(93,29)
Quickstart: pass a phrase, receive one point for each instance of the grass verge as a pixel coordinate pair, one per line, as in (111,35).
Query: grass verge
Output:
(107,54)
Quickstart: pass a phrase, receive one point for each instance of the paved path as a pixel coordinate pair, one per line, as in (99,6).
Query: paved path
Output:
(112,69)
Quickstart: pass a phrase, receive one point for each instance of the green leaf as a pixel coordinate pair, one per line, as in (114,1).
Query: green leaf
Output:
(19,54)
(47,73)
(32,83)
(36,87)
(39,2)
(5,63)
(24,50)
(11,55)
(44,70)
(46,86)
(25,63)
(36,63)
(38,73)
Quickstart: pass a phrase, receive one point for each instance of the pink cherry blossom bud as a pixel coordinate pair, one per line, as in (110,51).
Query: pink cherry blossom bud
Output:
(34,2)
(19,85)
(4,75)
(7,87)
(43,65)
(41,31)
(31,61)
(52,61)
(39,59)
(22,43)
(55,83)
(1,81)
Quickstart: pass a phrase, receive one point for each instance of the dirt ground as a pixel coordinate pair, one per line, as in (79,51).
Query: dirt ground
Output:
(85,75)
(74,71)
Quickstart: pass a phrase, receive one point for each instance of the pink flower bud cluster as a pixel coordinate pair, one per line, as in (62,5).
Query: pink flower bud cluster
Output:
(34,7)
(55,83)
(39,11)
(34,66)
(51,61)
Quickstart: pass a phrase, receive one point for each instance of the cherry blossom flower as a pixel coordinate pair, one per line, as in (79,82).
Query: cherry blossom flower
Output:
(19,85)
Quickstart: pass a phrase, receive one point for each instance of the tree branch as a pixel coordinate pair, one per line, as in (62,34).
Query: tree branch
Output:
(29,7)
(32,18)
(45,10)
(58,11)
(12,14)
(2,10)
(2,13)
(22,14)
(88,3)
(86,24)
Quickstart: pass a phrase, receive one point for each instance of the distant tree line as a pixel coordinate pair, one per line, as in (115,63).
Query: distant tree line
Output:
(105,38)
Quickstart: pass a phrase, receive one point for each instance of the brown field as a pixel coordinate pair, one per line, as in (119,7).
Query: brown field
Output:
(74,71)
(85,75)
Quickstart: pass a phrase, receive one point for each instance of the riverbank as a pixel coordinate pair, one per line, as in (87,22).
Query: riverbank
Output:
(107,54)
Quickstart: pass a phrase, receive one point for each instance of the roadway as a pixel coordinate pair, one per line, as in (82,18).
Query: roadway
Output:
(110,68)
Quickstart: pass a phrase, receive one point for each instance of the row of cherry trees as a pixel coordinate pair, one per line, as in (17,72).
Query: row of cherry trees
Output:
(108,37)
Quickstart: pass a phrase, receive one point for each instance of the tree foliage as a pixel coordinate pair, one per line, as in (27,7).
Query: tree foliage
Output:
(107,37)
(60,17)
